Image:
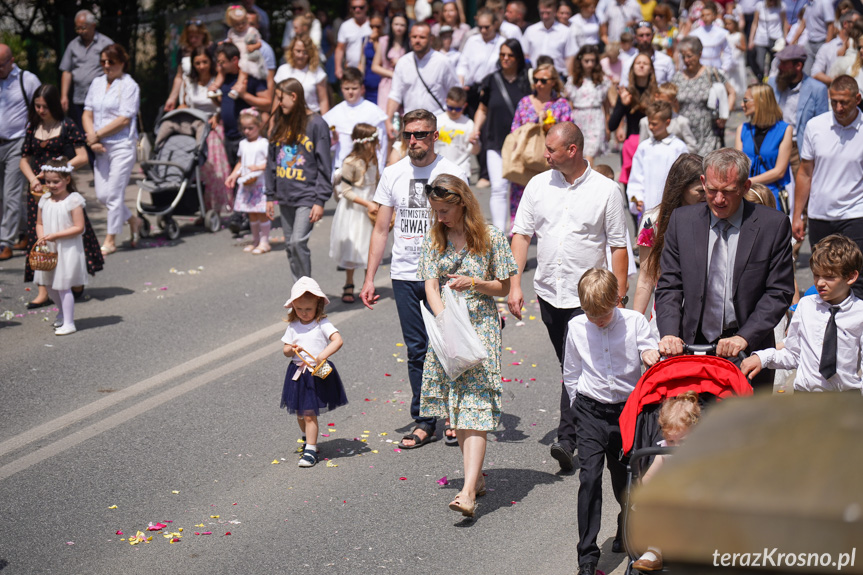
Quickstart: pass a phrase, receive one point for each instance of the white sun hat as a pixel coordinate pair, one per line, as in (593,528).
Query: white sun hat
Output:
(303,285)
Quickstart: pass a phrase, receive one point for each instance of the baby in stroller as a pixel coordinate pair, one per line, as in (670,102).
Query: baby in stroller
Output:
(677,416)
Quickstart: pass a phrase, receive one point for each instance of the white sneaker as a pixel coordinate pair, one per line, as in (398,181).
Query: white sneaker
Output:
(66,329)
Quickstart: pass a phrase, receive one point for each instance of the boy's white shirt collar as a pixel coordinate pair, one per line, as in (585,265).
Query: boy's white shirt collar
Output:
(843,305)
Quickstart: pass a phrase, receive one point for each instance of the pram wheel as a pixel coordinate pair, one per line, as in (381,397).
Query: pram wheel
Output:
(145,227)
(212,221)
(172,229)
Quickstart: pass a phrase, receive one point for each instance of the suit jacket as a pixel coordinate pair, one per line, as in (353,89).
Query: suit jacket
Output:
(763,273)
(813,102)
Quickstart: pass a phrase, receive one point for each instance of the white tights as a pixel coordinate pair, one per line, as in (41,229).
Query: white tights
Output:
(66,300)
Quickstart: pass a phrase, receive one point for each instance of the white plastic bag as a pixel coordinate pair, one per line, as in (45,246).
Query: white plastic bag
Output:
(452,337)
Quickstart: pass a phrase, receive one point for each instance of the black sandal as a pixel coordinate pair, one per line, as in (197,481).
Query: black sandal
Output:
(348,294)
(430,437)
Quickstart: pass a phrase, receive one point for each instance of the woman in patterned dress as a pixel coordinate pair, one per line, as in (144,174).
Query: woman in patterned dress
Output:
(693,84)
(545,106)
(587,89)
(475,260)
(51,134)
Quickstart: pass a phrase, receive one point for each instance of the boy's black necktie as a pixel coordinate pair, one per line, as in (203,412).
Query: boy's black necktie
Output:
(827,367)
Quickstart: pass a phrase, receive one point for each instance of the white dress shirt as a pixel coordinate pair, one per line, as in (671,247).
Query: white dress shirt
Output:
(819,15)
(407,88)
(510,31)
(717,48)
(826,57)
(556,42)
(663,66)
(13,104)
(837,175)
(617,14)
(604,364)
(650,166)
(107,104)
(478,58)
(806,337)
(573,225)
(351,35)
(584,32)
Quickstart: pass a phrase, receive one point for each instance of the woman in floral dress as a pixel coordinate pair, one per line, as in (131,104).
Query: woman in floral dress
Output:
(587,89)
(547,101)
(693,88)
(475,260)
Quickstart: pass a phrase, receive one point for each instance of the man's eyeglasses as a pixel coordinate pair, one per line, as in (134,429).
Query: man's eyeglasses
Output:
(107,62)
(418,135)
(81,28)
(195,22)
(439,191)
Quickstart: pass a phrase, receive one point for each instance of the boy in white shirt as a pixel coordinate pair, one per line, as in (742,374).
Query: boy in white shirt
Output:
(653,159)
(825,337)
(679,126)
(455,130)
(605,347)
(353,110)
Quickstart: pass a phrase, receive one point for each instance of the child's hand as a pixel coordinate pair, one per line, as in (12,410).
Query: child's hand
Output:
(271,210)
(751,366)
(650,357)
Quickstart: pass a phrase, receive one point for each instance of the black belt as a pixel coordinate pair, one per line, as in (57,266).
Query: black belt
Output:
(598,406)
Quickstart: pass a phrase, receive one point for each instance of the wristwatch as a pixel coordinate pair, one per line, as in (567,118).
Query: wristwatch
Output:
(624,300)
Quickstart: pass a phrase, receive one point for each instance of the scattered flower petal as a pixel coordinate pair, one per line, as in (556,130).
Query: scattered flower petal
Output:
(443,481)
(113,507)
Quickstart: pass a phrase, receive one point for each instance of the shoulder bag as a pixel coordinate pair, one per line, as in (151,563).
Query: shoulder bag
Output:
(436,101)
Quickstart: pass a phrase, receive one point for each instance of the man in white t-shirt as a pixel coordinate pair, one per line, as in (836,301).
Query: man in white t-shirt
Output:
(830,177)
(575,213)
(819,24)
(479,56)
(615,16)
(349,47)
(401,191)
(548,37)
(421,79)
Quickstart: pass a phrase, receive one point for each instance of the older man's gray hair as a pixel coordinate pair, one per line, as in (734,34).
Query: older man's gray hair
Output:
(723,160)
(89,17)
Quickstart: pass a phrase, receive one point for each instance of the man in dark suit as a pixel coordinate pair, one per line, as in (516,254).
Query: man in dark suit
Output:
(727,275)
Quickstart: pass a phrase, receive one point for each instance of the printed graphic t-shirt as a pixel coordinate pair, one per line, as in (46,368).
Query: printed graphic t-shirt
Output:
(402,187)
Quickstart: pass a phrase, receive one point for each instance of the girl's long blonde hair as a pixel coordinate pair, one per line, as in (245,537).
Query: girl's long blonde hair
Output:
(475,228)
(365,139)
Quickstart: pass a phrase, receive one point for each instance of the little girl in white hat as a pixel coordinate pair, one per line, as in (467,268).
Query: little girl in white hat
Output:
(310,340)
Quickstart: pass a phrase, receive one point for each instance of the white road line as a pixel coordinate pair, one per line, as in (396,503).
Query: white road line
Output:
(196,364)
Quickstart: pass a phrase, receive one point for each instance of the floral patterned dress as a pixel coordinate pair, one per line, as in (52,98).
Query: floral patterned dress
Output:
(692,95)
(587,112)
(473,400)
(525,113)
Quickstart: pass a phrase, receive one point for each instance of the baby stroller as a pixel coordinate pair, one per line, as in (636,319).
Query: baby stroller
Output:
(173,178)
(713,378)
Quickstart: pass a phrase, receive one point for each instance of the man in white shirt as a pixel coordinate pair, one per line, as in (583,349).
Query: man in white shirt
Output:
(828,53)
(421,79)
(515,12)
(349,48)
(819,25)
(615,16)
(480,53)
(716,49)
(548,37)
(575,214)
(830,177)
(16,93)
(397,194)
(505,28)
(663,65)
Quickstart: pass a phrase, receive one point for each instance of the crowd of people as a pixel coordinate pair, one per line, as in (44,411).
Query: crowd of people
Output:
(421,93)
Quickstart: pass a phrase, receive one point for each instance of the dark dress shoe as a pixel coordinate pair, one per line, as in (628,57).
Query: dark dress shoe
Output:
(648,565)
(587,569)
(34,305)
(563,456)
(5,253)
(617,546)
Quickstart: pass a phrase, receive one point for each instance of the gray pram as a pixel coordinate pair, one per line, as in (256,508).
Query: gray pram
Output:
(172,176)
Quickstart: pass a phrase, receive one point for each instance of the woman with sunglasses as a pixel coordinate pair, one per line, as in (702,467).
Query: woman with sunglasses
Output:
(110,111)
(494,118)
(194,35)
(474,259)
(546,106)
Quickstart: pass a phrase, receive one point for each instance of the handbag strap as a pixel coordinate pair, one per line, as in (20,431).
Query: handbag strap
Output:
(504,92)
(436,101)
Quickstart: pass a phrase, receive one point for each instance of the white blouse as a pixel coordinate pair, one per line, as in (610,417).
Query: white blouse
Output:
(122,98)
(195,96)
(308,78)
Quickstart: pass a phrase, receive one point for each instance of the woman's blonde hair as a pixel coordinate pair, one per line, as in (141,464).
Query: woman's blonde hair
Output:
(597,290)
(760,194)
(858,61)
(679,413)
(365,144)
(311,50)
(556,82)
(191,28)
(767,111)
(475,228)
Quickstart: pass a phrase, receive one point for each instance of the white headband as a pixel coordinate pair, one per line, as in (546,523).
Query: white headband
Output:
(367,139)
(67,169)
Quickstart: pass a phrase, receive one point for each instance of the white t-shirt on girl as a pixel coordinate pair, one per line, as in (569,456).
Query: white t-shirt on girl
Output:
(402,187)
(312,337)
(253,154)
(769,24)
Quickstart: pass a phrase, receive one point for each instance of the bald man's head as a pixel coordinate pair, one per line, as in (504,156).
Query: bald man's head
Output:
(6,61)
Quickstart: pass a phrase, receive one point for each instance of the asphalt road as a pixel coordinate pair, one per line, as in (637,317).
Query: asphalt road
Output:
(164,407)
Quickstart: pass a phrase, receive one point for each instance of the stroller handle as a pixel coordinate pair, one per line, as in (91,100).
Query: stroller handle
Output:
(160,163)
(706,349)
(639,454)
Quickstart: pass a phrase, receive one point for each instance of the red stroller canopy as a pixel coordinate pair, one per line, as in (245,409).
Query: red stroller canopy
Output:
(676,375)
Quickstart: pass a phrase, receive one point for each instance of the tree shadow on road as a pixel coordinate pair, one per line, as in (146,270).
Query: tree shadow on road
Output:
(609,561)
(510,487)
(341,448)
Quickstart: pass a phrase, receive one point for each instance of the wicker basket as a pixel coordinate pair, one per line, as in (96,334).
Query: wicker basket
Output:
(42,259)
(321,370)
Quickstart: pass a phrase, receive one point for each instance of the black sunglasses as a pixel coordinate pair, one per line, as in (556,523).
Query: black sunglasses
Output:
(542,80)
(106,62)
(417,135)
(455,108)
(439,191)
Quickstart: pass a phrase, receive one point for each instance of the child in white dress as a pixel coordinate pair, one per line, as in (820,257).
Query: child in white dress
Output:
(352,224)
(60,226)
(249,175)
(247,39)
